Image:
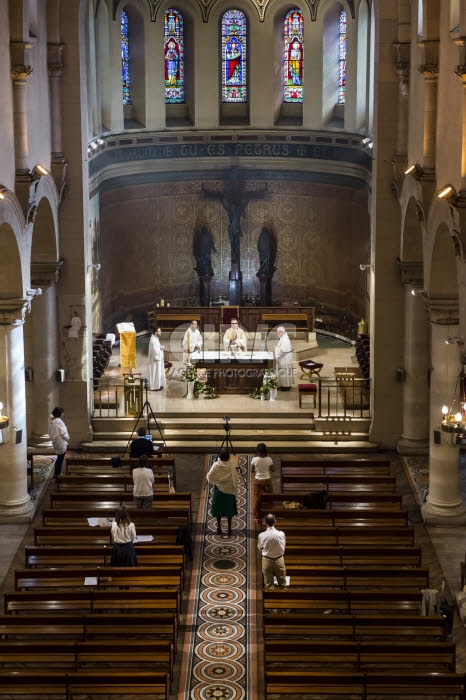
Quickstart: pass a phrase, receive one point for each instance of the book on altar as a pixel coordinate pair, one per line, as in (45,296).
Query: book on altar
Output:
(126,327)
(144,538)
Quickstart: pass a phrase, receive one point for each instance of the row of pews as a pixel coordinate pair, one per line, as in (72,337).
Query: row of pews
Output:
(350,623)
(75,626)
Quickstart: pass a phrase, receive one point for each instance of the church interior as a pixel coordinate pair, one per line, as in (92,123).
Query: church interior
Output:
(233,223)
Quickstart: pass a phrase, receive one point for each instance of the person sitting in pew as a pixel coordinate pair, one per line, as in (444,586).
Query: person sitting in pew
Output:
(143,479)
(141,445)
(123,534)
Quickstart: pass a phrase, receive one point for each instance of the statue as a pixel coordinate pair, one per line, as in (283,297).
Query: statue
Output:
(267,247)
(203,247)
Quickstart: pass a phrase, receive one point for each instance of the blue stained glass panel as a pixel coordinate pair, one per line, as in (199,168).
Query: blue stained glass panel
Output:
(293,55)
(234,58)
(173,56)
(342,59)
(125,79)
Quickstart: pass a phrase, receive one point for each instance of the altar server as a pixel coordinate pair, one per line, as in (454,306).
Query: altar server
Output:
(155,362)
(192,340)
(283,360)
(235,338)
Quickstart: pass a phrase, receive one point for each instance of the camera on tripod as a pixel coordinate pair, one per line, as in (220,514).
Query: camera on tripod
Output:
(145,383)
(227,426)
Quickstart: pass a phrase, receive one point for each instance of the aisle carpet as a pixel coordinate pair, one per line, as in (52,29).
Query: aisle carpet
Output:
(42,469)
(220,636)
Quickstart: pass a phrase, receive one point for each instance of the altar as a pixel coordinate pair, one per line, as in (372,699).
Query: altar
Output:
(233,374)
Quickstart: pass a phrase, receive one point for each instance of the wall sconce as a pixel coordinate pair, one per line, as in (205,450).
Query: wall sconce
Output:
(94,266)
(415,171)
(34,292)
(417,292)
(458,339)
(4,420)
(449,194)
(38,171)
(368,142)
(2,196)
(365,266)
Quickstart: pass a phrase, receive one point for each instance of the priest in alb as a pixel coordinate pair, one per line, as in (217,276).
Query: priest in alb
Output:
(283,360)
(235,339)
(155,362)
(192,341)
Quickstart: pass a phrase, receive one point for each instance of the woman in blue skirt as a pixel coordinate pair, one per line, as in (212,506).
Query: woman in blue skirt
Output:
(223,477)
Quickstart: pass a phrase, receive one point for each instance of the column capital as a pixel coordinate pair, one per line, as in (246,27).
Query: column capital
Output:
(430,71)
(55,70)
(13,311)
(20,73)
(411,272)
(460,71)
(44,274)
(443,312)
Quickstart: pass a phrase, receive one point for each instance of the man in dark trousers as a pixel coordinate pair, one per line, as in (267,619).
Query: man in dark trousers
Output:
(142,446)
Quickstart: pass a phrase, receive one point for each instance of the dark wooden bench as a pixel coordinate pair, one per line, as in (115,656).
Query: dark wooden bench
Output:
(357,576)
(342,482)
(354,602)
(71,555)
(331,517)
(107,577)
(348,535)
(334,466)
(90,602)
(128,683)
(350,555)
(75,517)
(106,482)
(438,655)
(162,532)
(363,685)
(345,499)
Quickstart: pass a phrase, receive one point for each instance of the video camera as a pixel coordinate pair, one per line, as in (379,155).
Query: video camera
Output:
(227,426)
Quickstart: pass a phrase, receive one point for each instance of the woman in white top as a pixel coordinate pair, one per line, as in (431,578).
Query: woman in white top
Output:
(261,466)
(58,433)
(222,476)
(123,535)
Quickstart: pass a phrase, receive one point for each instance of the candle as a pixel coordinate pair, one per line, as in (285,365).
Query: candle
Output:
(157,305)
(168,304)
(162,302)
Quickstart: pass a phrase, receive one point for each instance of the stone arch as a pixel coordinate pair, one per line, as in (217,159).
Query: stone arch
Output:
(14,260)
(43,215)
(412,220)
(443,280)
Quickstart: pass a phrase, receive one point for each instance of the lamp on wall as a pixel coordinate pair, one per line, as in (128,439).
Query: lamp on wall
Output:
(449,194)
(94,266)
(415,170)
(458,339)
(365,266)
(38,171)
(417,292)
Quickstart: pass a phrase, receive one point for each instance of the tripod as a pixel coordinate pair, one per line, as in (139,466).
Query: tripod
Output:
(226,443)
(149,414)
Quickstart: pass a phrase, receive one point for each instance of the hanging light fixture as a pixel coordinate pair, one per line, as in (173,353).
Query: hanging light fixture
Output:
(454,418)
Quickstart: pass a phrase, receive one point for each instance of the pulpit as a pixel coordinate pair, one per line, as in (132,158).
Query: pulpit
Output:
(127,334)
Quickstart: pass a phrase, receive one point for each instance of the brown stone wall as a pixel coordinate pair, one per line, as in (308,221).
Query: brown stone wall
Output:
(147,233)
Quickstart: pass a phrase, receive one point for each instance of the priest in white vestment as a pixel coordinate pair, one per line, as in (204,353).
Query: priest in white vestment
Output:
(155,362)
(235,339)
(283,360)
(192,341)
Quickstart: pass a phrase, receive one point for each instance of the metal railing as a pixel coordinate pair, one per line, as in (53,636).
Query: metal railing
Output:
(344,397)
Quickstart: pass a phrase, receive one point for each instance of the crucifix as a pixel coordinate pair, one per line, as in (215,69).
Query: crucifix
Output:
(234,198)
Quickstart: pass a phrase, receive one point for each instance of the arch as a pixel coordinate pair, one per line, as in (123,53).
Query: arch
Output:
(443,279)
(44,238)
(14,261)
(411,235)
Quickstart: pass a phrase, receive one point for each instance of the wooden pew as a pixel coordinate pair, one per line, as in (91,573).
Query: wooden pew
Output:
(343,482)
(330,517)
(70,555)
(75,517)
(91,461)
(161,532)
(106,482)
(84,627)
(127,683)
(346,499)
(438,655)
(396,600)
(107,577)
(297,467)
(348,535)
(345,683)
(357,576)
(348,555)
(90,602)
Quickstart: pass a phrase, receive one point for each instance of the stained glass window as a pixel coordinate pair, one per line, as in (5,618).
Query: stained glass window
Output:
(125,58)
(293,39)
(173,56)
(342,59)
(234,65)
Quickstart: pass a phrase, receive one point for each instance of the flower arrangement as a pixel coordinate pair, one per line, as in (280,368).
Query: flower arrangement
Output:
(270,379)
(189,373)
(259,392)
(198,377)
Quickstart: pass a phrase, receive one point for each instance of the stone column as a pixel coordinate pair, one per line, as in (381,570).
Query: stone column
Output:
(55,70)
(430,72)
(45,347)
(20,71)
(14,497)
(444,504)
(401,67)
(461,73)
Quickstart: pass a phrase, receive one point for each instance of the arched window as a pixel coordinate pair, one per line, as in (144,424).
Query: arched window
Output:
(342,59)
(125,58)
(173,56)
(293,54)
(234,59)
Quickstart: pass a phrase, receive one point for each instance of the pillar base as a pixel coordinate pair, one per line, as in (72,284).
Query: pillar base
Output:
(20,512)
(412,446)
(443,515)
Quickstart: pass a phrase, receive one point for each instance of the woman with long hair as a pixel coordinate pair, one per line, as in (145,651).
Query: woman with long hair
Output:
(123,535)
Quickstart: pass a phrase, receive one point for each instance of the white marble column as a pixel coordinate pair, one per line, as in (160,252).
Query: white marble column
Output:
(415,432)
(444,504)
(14,497)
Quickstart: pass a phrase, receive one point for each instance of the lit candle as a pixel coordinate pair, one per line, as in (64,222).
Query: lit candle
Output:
(162,302)
(168,304)
(189,340)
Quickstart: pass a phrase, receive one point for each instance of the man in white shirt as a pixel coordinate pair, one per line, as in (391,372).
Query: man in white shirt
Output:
(143,480)
(272,544)
(192,341)
(58,433)
(235,339)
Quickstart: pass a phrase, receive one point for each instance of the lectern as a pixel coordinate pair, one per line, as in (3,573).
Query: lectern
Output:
(127,333)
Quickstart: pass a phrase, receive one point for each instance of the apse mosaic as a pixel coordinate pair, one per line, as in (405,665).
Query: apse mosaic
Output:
(293,38)
(173,56)
(234,57)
